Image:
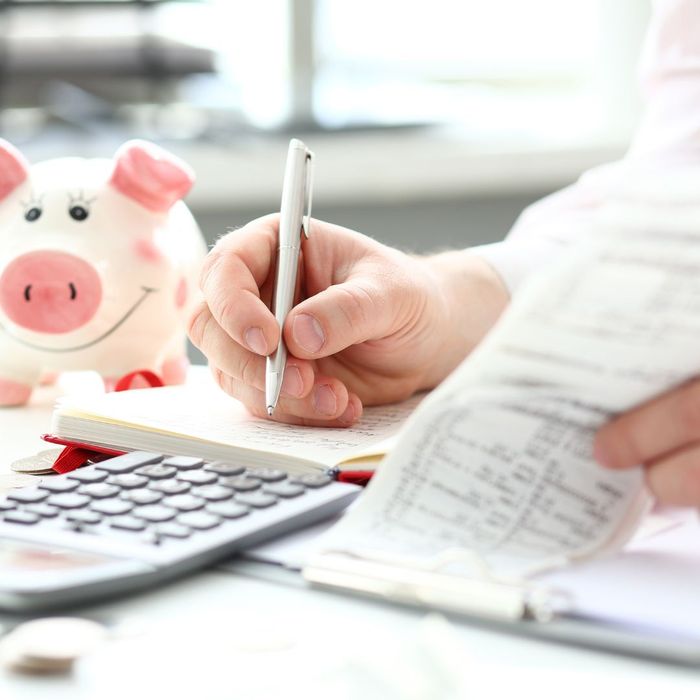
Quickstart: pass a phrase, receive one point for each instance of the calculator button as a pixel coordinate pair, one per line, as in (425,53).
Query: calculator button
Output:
(156,471)
(43,510)
(142,497)
(224,469)
(27,495)
(240,483)
(88,476)
(112,506)
(199,520)
(129,462)
(128,481)
(68,500)
(59,484)
(256,500)
(228,509)
(99,490)
(85,517)
(199,477)
(284,489)
(213,492)
(170,487)
(155,514)
(313,481)
(21,517)
(184,501)
(265,474)
(175,530)
(126,522)
(183,463)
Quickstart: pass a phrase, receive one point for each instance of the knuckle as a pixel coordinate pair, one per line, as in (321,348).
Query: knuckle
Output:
(211,262)
(248,370)
(225,382)
(357,306)
(197,324)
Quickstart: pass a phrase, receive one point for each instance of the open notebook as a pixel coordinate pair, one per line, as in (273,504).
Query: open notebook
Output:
(198,419)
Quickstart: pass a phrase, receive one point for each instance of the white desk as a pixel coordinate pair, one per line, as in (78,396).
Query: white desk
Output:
(216,635)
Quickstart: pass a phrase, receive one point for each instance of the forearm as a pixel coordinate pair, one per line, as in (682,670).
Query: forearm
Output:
(473,296)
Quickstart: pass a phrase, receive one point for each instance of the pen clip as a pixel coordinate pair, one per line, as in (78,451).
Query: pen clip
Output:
(306,219)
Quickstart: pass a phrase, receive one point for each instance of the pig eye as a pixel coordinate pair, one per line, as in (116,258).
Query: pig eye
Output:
(78,212)
(32,214)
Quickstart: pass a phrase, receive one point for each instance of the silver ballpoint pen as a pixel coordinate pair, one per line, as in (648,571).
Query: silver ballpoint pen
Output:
(295,217)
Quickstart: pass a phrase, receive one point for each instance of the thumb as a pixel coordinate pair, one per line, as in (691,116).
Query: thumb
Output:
(341,315)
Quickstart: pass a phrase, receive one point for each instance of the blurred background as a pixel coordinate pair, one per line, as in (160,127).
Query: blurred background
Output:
(434,122)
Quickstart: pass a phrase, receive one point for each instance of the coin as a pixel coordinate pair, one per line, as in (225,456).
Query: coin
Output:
(40,463)
(49,645)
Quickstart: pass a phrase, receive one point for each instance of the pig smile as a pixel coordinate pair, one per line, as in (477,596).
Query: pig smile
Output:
(129,312)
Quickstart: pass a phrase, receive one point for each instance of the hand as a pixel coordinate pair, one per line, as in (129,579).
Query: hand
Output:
(374,324)
(664,436)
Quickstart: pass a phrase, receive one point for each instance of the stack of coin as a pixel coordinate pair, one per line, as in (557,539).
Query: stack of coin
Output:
(49,645)
(39,464)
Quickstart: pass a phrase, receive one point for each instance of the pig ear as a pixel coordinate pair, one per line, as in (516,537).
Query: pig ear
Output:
(150,175)
(13,168)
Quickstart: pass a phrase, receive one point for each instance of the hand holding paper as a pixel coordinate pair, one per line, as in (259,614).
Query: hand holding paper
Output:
(499,459)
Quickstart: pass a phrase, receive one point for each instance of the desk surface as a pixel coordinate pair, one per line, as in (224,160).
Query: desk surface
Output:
(218,635)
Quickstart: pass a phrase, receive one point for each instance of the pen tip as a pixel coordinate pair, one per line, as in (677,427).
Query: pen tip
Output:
(270,409)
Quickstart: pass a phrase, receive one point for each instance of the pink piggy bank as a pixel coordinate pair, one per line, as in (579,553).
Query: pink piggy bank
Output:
(98,266)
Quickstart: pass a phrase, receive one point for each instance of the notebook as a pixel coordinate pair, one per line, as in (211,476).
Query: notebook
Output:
(199,420)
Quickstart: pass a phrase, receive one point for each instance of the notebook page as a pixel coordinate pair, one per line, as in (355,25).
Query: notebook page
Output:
(204,412)
(499,458)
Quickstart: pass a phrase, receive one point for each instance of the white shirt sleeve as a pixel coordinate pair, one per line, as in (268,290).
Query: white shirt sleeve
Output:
(668,136)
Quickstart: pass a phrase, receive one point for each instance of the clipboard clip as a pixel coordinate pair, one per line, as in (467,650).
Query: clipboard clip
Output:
(426,584)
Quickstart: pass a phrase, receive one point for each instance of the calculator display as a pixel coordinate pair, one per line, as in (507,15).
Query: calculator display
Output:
(21,557)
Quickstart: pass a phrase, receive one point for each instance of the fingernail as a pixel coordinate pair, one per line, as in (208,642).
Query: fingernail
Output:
(348,415)
(324,400)
(292,384)
(255,340)
(308,333)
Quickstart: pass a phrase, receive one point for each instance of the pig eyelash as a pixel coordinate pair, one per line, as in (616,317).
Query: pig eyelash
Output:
(79,206)
(32,209)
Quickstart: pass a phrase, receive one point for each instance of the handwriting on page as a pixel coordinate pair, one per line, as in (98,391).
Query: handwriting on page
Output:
(499,458)
(225,421)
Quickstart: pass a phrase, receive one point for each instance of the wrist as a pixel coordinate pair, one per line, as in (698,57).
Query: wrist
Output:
(471,296)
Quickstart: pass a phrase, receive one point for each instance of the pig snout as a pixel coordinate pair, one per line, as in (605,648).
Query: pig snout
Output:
(50,291)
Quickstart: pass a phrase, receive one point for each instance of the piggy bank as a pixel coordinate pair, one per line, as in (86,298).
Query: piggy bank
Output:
(99,261)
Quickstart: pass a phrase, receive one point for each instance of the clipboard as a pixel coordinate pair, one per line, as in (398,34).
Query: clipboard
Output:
(526,609)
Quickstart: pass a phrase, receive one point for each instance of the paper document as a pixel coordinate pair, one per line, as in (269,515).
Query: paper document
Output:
(498,459)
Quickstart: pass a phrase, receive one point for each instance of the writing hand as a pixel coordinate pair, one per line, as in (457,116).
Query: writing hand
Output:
(373,324)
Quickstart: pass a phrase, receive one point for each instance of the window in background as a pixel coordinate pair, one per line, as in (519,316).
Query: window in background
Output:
(504,69)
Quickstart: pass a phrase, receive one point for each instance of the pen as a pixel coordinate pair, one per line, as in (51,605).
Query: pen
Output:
(296,198)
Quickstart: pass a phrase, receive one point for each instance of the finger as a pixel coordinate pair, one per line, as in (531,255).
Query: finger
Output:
(652,430)
(237,362)
(360,309)
(232,275)
(328,400)
(675,480)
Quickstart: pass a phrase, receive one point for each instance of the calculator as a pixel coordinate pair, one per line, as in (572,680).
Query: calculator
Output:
(141,518)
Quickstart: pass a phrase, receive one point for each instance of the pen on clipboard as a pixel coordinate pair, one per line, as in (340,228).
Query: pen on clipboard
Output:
(295,218)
